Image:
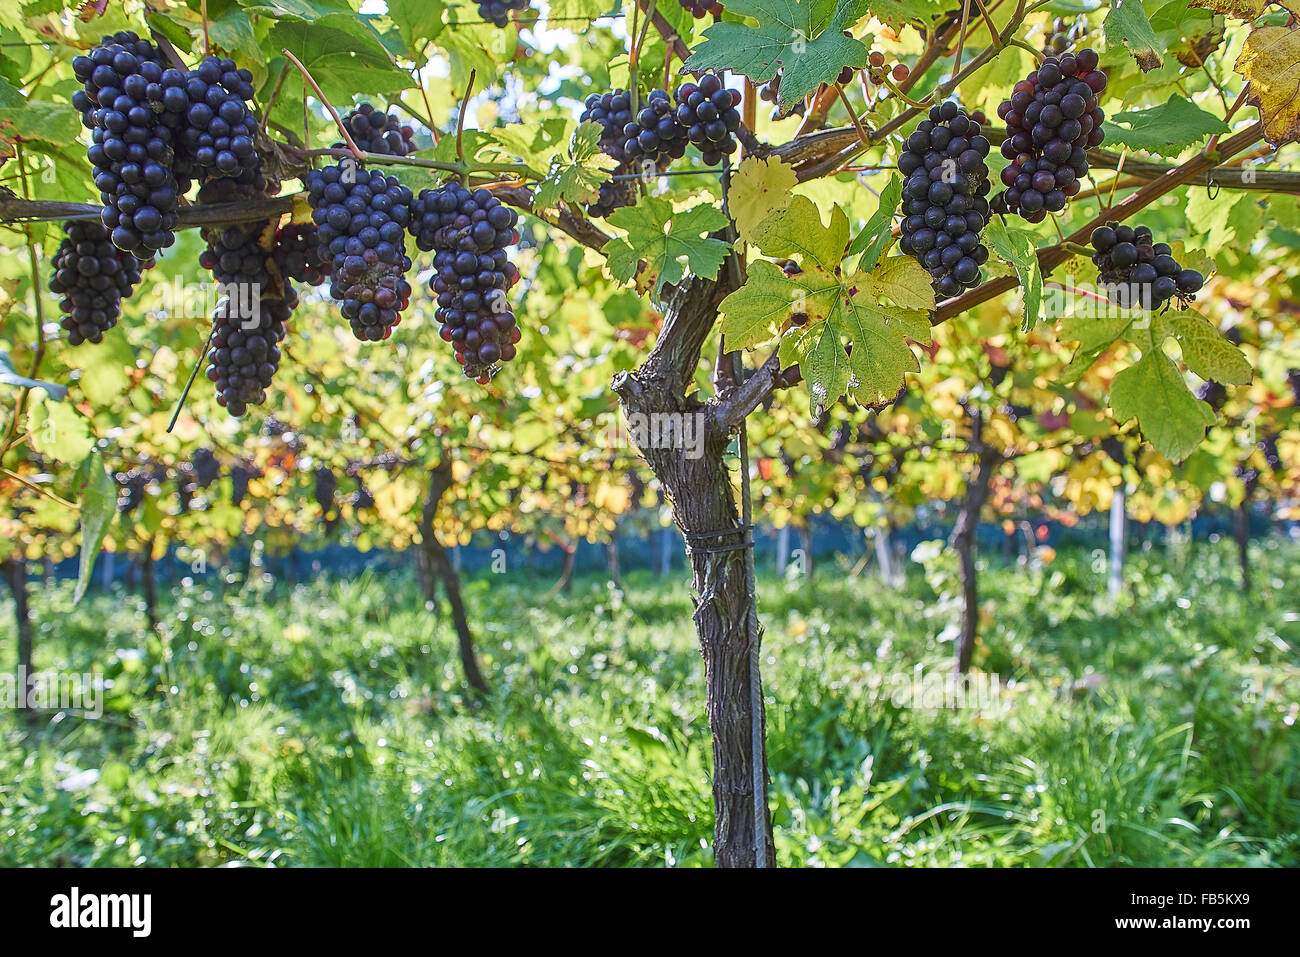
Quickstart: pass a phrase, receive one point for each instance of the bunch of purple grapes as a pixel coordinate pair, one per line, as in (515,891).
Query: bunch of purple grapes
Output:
(1052,119)
(1138,273)
(361,217)
(944,204)
(469,232)
(612,111)
(376,132)
(93,276)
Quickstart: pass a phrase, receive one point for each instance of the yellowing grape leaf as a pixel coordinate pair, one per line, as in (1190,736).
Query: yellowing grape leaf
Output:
(757,188)
(661,243)
(1016,246)
(1206,352)
(817,309)
(1127,23)
(1270,62)
(804,39)
(59,431)
(1241,9)
(578,179)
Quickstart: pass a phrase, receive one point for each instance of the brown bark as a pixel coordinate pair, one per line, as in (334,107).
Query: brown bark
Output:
(719,548)
(805,545)
(963,540)
(1241,534)
(149,586)
(440,567)
(611,560)
(15,573)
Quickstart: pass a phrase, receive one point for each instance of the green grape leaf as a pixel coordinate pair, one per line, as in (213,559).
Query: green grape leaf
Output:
(1095,333)
(578,179)
(65,175)
(1241,9)
(1153,390)
(52,123)
(1127,23)
(815,310)
(1167,129)
(899,12)
(804,39)
(104,369)
(1016,246)
(876,236)
(97,496)
(417,21)
(662,242)
(9,377)
(59,431)
(342,55)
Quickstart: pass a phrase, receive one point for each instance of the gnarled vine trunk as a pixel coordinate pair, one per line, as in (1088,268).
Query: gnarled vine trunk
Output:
(15,572)
(149,586)
(1241,534)
(438,566)
(963,540)
(720,553)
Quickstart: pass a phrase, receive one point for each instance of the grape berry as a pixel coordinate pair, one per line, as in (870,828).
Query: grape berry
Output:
(707,111)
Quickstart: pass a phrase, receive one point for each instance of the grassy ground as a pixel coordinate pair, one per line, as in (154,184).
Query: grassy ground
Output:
(324,724)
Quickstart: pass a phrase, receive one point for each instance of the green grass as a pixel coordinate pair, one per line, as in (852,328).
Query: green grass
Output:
(326,724)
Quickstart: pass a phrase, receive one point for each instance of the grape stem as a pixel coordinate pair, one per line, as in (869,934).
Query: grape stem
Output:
(275,92)
(194,373)
(40,490)
(460,117)
(1038,55)
(338,120)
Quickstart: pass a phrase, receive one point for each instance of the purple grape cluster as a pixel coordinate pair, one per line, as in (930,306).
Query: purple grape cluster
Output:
(612,111)
(655,137)
(1135,272)
(361,217)
(207,108)
(133,153)
(944,198)
(1052,119)
(376,132)
(297,252)
(469,233)
(497,12)
(93,276)
(707,111)
(250,322)
(699,9)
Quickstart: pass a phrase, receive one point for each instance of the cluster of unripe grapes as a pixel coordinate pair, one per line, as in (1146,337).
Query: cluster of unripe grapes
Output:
(944,198)
(361,217)
(469,232)
(1065,35)
(876,70)
(93,276)
(1052,118)
(1136,273)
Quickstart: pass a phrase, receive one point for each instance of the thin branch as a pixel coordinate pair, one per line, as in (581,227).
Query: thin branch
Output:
(40,490)
(460,117)
(338,120)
